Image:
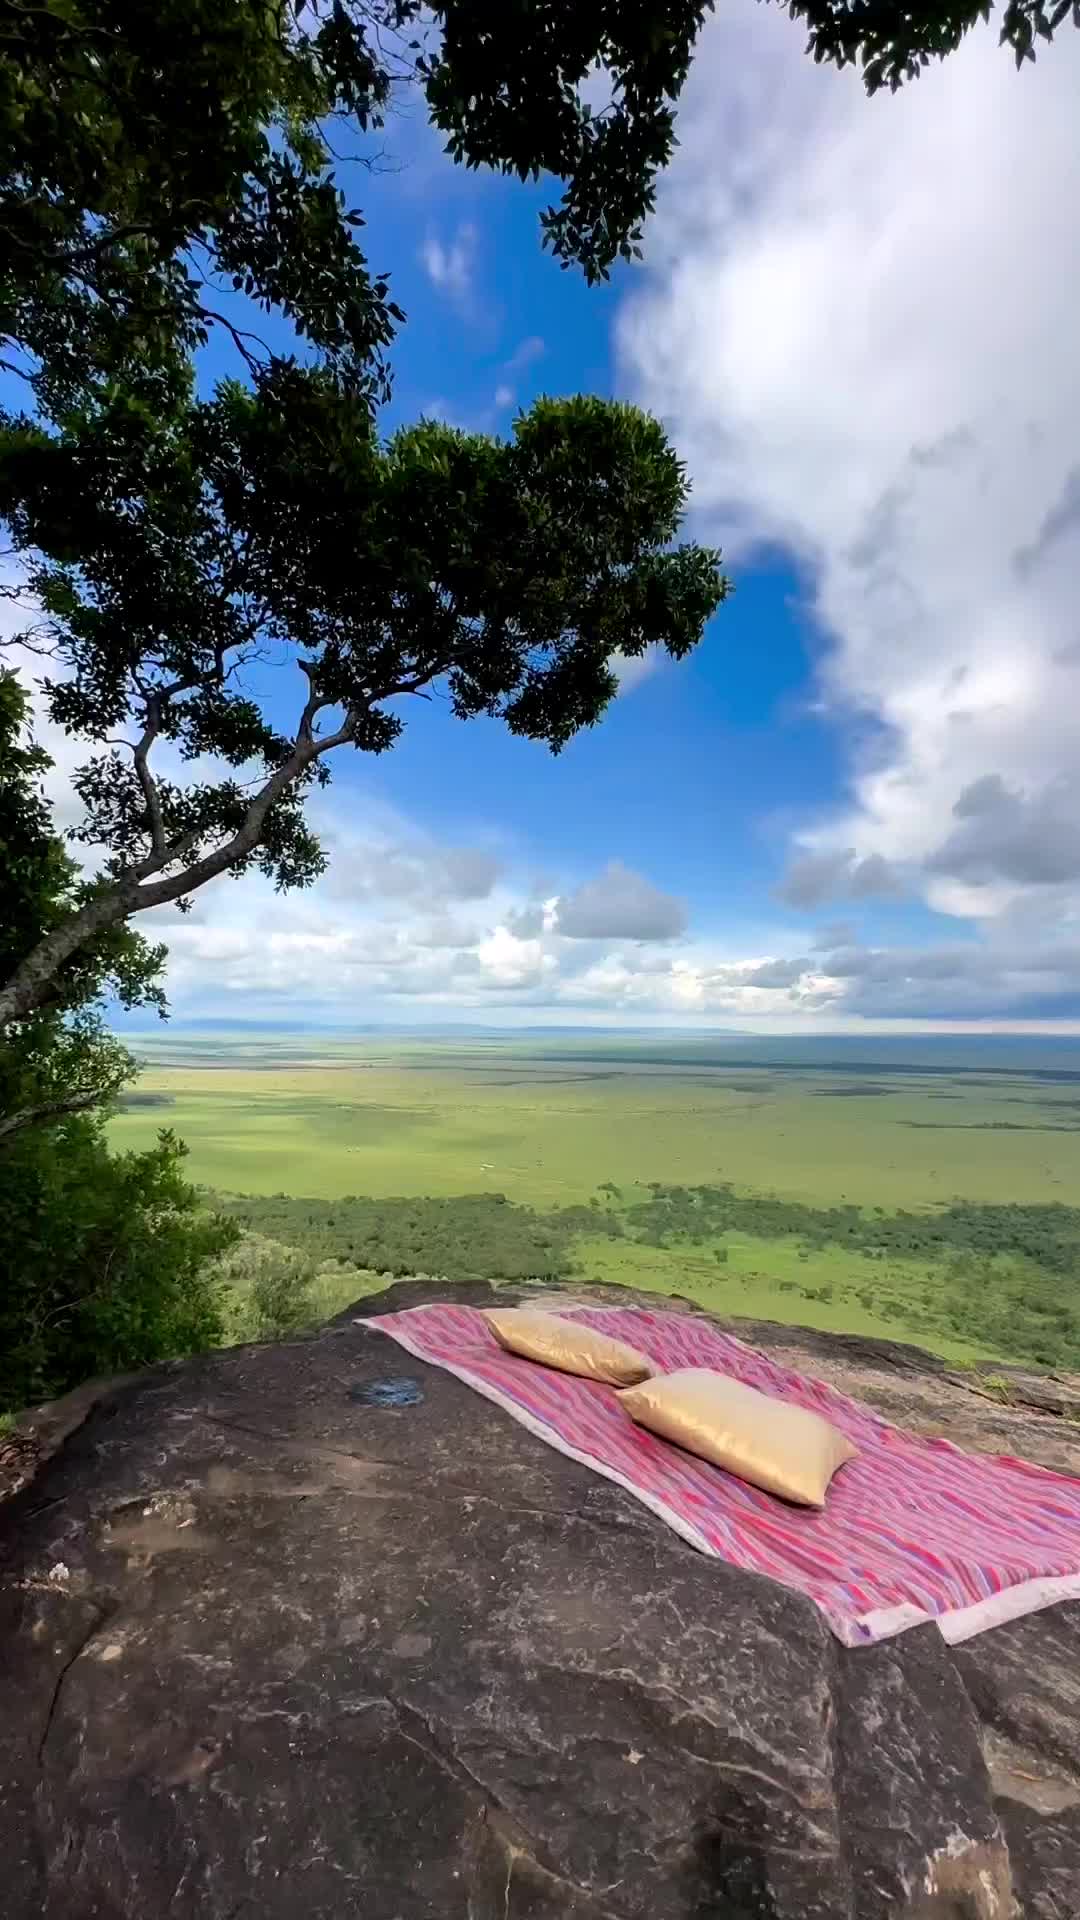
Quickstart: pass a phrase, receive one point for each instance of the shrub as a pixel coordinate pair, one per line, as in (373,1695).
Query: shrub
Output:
(105,1259)
(265,1289)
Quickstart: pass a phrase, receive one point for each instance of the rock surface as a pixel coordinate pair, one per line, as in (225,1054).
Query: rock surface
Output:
(270,1648)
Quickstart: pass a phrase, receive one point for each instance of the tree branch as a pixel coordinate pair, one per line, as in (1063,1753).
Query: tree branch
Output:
(50,1110)
(239,334)
(315,705)
(246,838)
(146,779)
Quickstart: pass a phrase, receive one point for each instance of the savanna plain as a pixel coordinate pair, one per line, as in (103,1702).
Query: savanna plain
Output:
(925,1189)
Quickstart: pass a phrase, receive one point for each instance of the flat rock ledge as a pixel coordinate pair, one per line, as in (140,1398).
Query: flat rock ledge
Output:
(270,1648)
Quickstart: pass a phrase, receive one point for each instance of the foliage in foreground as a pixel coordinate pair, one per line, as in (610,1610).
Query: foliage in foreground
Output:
(894,40)
(104,1262)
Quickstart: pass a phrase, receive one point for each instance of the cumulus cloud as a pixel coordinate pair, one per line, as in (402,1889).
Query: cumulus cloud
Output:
(619,905)
(776,973)
(840,933)
(526,922)
(450,265)
(443,931)
(508,957)
(418,870)
(974,980)
(1062,520)
(859,322)
(508,961)
(816,877)
(1028,839)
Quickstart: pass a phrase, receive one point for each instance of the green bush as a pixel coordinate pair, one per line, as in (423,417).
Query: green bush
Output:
(266,1289)
(105,1259)
(472,1236)
(1046,1234)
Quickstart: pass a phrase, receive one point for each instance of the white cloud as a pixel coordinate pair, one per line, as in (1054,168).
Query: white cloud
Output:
(400,864)
(860,325)
(630,669)
(509,961)
(321,955)
(841,875)
(525,354)
(504,396)
(619,905)
(406,926)
(450,267)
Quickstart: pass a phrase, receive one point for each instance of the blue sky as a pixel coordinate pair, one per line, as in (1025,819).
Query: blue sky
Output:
(855,806)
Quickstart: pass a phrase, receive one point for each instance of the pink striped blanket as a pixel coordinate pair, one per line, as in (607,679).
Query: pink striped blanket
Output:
(913,1529)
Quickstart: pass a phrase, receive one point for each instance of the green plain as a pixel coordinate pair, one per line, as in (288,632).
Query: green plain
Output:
(445,1120)
(546,1123)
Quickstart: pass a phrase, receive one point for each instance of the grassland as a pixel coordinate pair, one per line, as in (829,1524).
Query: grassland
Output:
(547,1126)
(550,1123)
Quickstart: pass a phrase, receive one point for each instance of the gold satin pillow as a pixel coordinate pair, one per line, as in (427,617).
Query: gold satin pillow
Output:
(781,1448)
(567,1345)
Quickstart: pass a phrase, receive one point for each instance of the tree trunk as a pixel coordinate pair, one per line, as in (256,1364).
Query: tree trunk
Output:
(30,984)
(32,980)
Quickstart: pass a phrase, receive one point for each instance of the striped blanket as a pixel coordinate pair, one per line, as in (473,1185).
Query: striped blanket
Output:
(913,1529)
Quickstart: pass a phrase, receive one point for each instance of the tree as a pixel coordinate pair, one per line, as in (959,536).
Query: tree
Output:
(502,572)
(147,153)
(104,1259)
(61,1059)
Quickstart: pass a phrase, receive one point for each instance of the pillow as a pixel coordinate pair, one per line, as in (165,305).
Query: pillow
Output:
(773,1445)
(567,1345)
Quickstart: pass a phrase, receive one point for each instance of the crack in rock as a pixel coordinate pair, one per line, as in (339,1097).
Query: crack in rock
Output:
(103,1611)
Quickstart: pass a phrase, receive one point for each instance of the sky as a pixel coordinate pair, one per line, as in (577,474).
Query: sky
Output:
(856,806)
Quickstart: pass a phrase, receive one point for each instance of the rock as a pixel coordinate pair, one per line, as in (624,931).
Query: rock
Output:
(277,1642)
